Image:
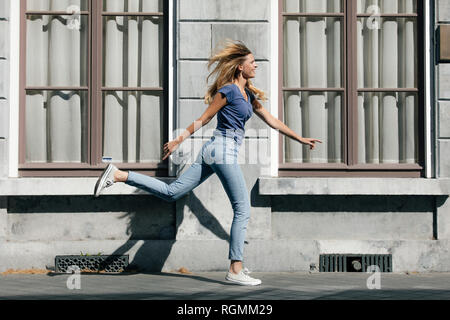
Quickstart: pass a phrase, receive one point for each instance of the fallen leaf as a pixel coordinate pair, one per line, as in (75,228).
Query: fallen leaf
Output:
(184,271)
(25,271)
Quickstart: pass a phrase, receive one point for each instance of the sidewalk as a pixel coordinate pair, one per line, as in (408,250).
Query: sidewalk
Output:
(212,286)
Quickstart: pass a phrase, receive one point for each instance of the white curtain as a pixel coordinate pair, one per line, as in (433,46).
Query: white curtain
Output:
(56,5)
(387,130)
(312,58)
(56,122)
(56,56)
(387,122)
(133,121)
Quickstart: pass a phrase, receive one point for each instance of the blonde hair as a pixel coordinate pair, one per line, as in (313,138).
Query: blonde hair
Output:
(228,59)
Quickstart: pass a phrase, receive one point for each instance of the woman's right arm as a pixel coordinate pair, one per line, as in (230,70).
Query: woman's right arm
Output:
(218,103)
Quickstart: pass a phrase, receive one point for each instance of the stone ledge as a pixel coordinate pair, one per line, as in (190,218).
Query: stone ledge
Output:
(63,187)
(353,186)
(267,186)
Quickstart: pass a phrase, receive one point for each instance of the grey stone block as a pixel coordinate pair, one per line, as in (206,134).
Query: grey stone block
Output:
(4,39)
(248,10)
(3,158)
(4,78)
(444,81)
(342,225)
(255,127)
(444,119)
(443,8)
(354,186)
(5,8)
(419,256)
(254,35)
(262,79)
(3,221)
(443,156)
(194,40)
(256,151)
(443,217)
(85,218)
(192,78)
(4,118)
(191,110)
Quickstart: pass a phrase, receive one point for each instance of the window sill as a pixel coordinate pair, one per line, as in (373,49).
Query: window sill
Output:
(64,187)
(353,186)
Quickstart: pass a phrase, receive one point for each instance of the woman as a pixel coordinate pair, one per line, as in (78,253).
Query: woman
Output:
(232,98)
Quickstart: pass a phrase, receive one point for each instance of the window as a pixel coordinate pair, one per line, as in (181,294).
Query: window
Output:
(352,77)
(93,86)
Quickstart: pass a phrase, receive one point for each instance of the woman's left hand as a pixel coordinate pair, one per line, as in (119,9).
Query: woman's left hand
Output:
(311,142)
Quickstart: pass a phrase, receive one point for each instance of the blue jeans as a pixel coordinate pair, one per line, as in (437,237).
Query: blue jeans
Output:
(218,155)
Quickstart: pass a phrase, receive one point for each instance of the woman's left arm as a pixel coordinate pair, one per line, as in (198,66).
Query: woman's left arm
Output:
(276,124)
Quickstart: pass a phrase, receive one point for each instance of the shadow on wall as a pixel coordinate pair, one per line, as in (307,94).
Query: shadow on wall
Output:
(152,255)
(152,223)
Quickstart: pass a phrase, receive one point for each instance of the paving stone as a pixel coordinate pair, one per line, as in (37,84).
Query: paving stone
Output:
(211,285)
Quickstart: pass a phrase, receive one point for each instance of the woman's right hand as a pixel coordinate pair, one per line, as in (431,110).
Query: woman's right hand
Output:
(169,148)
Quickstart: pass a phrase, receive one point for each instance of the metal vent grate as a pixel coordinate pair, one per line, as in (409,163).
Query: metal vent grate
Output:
(111,263)
(354,262)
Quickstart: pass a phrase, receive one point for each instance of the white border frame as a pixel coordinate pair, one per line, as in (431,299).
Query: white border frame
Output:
(274,59)
(171,102)
(429,165)
(14,67)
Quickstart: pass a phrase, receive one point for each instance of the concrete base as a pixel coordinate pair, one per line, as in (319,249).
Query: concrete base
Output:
(211,255)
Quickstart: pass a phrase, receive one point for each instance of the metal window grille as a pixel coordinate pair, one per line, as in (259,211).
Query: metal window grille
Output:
(354,262)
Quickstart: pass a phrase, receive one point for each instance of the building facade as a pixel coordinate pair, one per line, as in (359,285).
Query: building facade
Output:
(86,82)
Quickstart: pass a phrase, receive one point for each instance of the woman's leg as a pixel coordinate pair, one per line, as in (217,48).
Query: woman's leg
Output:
(234,184)
(191,178)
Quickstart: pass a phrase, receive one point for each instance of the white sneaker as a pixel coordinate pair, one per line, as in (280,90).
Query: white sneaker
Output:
(242,278)
(105,180)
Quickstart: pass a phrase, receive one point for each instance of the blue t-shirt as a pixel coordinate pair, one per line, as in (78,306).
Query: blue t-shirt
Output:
(237,110)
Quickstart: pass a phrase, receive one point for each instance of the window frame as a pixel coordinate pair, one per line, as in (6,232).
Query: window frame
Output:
(350,166)
(95,90)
